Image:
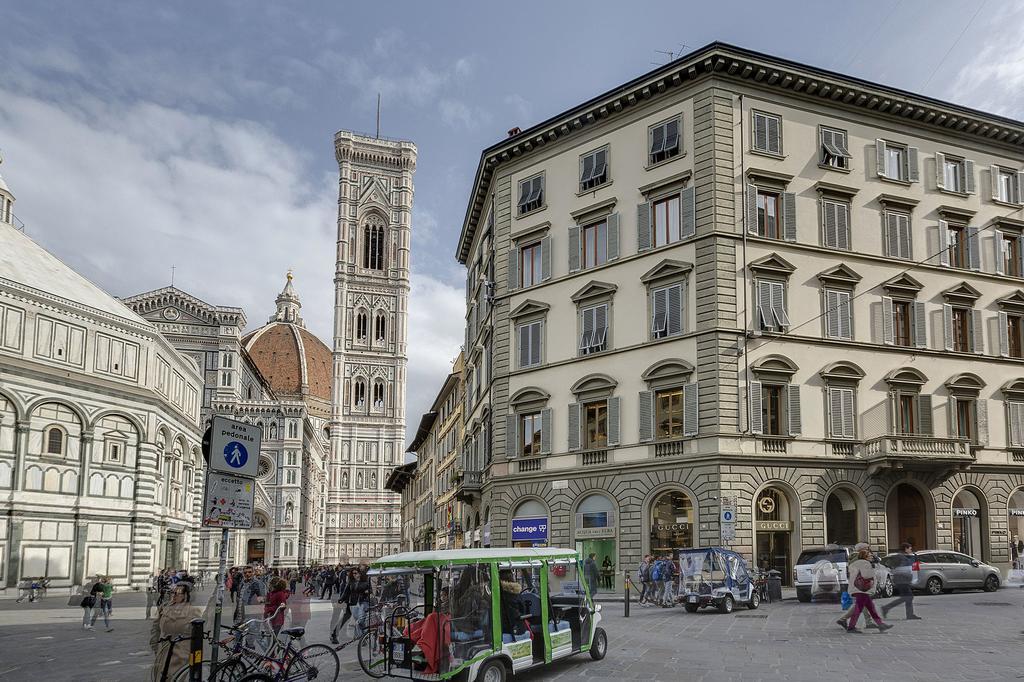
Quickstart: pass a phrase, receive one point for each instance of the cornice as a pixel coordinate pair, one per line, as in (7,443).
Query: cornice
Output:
(736,64)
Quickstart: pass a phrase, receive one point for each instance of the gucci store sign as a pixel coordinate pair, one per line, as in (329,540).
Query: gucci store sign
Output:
(775,525)
(672,526)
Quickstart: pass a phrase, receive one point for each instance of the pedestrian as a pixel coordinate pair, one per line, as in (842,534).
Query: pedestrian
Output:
(298,607)
(608,572)
(106,605)
(250,592)
(152,593)
(902,580)
(853,604)
(88,603)
(591,572)
(277,601)
(643,573)
(172,618)
(293,580)
(861,576)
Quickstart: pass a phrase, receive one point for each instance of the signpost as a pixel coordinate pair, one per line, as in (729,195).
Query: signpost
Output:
(232,449)
(728,521)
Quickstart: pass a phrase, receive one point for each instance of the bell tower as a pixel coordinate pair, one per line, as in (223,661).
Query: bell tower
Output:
(371,302)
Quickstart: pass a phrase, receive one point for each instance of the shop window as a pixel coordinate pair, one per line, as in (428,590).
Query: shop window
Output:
(672,519)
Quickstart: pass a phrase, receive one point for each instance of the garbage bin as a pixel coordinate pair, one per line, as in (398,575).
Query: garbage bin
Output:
(775,585)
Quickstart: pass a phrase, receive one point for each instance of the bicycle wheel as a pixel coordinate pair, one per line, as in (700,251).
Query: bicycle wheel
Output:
(182,674)
(371,655)
(314,662)
(231,670)
(257,677)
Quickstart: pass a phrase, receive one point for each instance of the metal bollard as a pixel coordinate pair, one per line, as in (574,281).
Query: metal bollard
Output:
(625,607)
(195,652)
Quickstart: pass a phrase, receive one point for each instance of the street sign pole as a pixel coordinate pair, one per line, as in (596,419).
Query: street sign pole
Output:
(218,609)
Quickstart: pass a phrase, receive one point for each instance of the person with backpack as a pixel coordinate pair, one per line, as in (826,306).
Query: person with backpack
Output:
(643,575)
(902,580)
(657,586)
(668,574)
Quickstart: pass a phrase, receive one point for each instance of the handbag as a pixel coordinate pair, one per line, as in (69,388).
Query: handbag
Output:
(88,601)
(864,584)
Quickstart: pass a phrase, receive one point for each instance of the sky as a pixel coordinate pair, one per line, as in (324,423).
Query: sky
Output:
(198,136)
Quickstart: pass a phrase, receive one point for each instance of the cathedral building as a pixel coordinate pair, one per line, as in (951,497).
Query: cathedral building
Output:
(100,464)
(371,302)
(278,377)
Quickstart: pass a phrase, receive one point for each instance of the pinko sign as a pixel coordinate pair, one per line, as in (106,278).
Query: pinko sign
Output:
(535,529)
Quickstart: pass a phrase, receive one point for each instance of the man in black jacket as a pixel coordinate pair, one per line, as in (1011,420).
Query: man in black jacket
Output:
(902,578)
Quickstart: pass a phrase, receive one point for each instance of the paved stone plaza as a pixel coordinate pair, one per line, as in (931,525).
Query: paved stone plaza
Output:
(964,636)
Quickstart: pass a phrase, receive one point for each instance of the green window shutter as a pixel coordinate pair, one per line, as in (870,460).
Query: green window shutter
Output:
(906,245)
(943,242)
(832,314)
(574,427)
(646,416)
(752,209)
(613,421)
(612,232)
(920,325)
(760,132)
(981,405)
(691,411)
(586,329)
(766,320)
(880,158)
(523,336)
(643,226)
(1004,335)
(774,134)
(545,258)
(969,185)
(887,323)
(892,235)
(978,339)
(754,404)
(536,342)
(778,294)
(674,308)
(947,325)
(687,213)
(973,248)
(835,413)
(940,170)
(829,223)
(511,436)
(545,431)
(924,415)
(913,168)
(793,399)
(1000,253)
(789,216)
(574,248)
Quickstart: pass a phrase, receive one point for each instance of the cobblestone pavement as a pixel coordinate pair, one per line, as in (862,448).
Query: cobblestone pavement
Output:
(964,636)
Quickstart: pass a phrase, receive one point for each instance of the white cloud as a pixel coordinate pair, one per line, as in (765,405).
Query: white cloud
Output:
(436,332)
(993,79)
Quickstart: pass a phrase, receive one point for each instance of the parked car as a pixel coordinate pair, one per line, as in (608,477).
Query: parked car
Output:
(822,570)
(937,571)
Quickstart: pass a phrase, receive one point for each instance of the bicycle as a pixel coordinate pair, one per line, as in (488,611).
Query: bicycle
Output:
(761,586)
(281,662)
(379,626)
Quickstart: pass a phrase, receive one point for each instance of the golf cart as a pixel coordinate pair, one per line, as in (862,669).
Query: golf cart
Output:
(715,577)
(478,614)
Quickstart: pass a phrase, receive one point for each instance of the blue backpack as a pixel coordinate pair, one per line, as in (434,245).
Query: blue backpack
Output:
(656,571)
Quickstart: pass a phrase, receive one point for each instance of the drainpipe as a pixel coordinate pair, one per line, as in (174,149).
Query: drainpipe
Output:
(746,283)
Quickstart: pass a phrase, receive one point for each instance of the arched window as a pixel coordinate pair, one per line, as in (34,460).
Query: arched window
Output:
(373,245)
(379,327)
(361,326)
(54,441)
(378,395)
(359,393)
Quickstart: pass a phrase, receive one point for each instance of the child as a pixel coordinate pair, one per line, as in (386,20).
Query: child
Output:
(277,596)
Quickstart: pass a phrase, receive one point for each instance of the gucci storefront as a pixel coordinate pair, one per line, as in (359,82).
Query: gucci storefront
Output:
(672,519)
(773,532)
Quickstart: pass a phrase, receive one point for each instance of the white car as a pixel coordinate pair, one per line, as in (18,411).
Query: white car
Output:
(822,571)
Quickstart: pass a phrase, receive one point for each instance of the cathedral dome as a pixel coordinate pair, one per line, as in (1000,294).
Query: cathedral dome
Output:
(294,362)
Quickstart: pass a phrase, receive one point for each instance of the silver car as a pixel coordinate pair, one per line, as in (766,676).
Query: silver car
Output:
(937,571)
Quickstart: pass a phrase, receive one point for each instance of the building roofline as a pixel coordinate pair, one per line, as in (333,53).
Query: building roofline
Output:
(738,63)
(426,423)
(445,390)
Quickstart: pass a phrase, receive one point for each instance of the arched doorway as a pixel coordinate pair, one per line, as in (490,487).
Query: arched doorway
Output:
(672,517)
(530,524)
(907,516)
(1015,527)
(842,517)
(969,523)
(773,537)
(594,533)
(256,551)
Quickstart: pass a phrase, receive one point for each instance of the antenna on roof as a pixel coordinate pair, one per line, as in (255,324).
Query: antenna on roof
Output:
(378,115)
(671,54)
(172,275)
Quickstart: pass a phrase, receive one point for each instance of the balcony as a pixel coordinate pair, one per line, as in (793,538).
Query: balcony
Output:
(593,458)
(468,485)
(774,445)
(669,448)
(524,466)
(920,453)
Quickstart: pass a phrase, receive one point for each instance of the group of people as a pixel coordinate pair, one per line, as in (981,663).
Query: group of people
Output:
(860,575)
(603,575)
(161,584)
(99,600)
(659,580)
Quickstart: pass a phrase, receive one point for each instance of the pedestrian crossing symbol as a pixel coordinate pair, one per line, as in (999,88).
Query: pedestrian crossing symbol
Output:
(235,455)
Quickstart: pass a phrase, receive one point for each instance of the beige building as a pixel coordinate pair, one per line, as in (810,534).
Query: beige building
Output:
(740,282)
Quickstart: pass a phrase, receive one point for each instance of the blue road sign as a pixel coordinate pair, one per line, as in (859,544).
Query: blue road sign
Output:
(235,455)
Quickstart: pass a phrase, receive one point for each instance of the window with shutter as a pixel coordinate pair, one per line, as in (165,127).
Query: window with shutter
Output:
(769,214)
(530,434)
(593,244)
(531,265)
(1015,411)
(663,139)
(767,133)
(895,162)
(665,217)
(595,429)
(897,237)
(838,314)
(667,311)
(531,194)
(529,339)
(593,169)
(834,152)
(774,399)
(841,412)
(593,329)
(645,402)
(668,418)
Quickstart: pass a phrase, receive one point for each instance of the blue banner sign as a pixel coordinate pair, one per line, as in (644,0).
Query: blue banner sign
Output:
(530,529)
